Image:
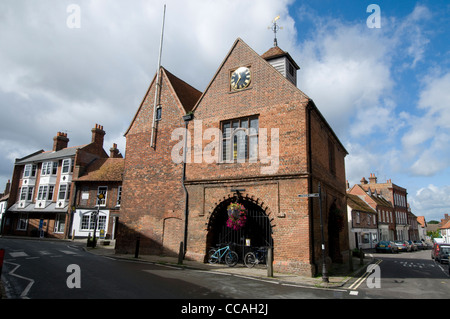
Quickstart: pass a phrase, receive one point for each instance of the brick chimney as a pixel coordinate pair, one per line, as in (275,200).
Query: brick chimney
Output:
(98,135)
(372,179)
(114,152)
(363,181)
(60,141)
(7,187)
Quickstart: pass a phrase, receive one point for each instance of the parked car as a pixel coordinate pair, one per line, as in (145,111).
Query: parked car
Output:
(420,245)
(413,245)
(386,246)
(402,245)
(436,248)
(442,255)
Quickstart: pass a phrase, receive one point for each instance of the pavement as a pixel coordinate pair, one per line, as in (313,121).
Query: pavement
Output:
(338,274)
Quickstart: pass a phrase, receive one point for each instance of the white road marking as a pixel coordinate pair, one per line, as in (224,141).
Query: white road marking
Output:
(18,254)
(28,287)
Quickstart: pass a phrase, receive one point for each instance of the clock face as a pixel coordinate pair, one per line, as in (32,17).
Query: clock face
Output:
(240,78)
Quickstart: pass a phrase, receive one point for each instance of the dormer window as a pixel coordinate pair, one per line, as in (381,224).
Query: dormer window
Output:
(49,168)
(67,166)
(29,171)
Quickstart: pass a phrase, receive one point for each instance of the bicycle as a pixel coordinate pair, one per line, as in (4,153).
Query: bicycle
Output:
(253,258)
(216,255)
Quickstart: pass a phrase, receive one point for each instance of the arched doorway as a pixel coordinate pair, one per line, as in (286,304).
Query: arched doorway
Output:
(335,226)
(257,231)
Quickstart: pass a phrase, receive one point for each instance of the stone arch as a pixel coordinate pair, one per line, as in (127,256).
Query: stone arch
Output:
(257,231)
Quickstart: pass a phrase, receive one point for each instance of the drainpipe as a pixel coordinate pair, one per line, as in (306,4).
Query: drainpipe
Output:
(310,188)
(187,118)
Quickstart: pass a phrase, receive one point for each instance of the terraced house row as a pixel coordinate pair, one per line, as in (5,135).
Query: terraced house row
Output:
(380,211)
(54,193)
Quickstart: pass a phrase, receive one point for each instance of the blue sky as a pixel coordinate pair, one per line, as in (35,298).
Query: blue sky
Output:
(385,91)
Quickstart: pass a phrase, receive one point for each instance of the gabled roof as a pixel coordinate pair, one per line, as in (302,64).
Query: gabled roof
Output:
(421,221)
(41,156)
(236,42)
(104,170)
(445,226)
(186,94)
(356,203)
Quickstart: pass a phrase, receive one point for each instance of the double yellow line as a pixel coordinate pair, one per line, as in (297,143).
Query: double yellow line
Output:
(361,279)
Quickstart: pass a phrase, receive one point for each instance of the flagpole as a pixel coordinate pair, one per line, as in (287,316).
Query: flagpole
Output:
(158,85)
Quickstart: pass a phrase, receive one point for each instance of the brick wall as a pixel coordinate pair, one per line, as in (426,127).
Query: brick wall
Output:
(153,197)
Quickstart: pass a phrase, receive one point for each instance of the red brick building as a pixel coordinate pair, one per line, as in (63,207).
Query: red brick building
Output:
(103,176)
(383,207)
(255,139)
(42,188)
(397,196)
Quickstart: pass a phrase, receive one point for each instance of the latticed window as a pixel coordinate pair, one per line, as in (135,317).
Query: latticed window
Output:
(240,139)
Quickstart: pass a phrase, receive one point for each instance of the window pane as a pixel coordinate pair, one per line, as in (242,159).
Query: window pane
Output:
(225,149)
(30,193)
(102,190)
(50,192)
(226,130)
(253,147)
(85,222)
(54,168)
(101,222)
(254,123)
(62,192)
(66,166)
(235,124)
(241,147)
(23,193)
(27,171)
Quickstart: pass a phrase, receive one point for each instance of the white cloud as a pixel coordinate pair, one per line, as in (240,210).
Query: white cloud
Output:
(427,139)
(59,79)
(431,201)
(346,72)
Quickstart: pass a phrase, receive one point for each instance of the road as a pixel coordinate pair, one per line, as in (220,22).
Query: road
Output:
(411,275)
(35,269)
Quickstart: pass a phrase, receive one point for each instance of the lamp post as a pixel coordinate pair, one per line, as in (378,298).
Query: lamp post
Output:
(100,197)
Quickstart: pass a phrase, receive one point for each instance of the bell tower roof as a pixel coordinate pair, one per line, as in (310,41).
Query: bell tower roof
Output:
(283,62)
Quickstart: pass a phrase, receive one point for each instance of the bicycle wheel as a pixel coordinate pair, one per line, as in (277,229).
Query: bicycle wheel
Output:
(212,257)
(231,259)
(250,259)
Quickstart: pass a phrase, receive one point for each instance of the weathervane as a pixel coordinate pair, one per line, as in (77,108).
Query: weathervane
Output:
(275,27)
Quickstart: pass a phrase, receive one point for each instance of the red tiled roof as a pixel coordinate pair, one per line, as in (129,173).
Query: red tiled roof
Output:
(446,225)
(187,94)
(104,169)
(421,220)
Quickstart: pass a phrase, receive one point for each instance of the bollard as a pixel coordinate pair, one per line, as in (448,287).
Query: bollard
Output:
(361,257)
(136,252)
(350,260)
(270,262)
(180,254)
(88,244)
(2,255)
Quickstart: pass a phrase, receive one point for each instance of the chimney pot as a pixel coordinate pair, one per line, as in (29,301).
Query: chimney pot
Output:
(60,141)
(114,152)
(97,135)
